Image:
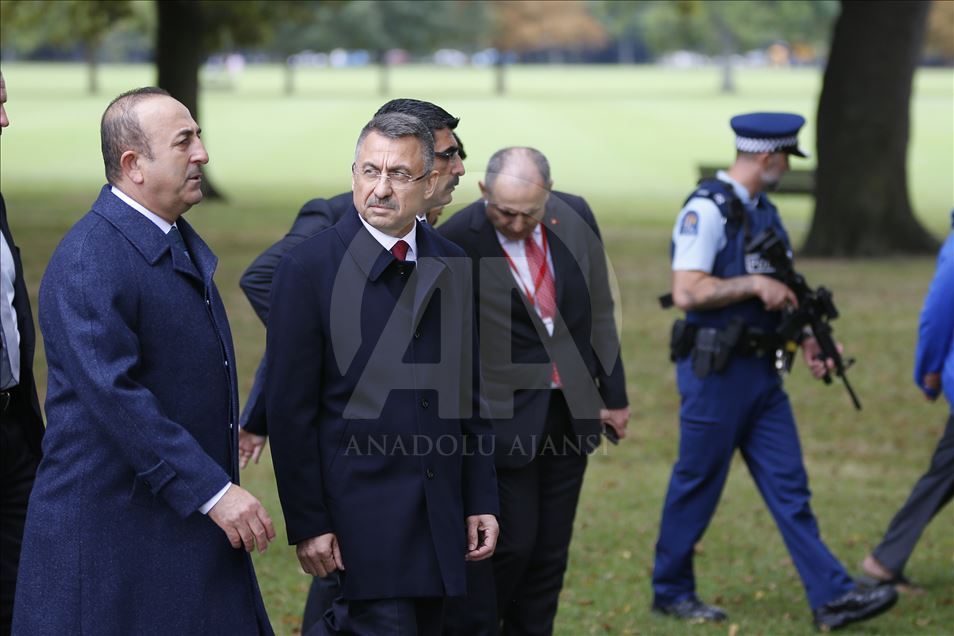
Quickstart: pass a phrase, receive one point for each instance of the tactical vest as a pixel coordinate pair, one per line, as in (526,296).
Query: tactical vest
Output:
(742,222)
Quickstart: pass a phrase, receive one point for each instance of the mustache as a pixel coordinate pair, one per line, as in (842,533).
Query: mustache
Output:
(383,203)
(194,173)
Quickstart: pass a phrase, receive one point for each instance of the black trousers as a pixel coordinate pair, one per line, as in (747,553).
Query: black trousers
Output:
(517,591)
(18,466)
(321,596)
(377,617)
(932,492)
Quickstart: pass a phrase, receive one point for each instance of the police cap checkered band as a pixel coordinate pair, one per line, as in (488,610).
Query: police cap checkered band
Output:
(762,144)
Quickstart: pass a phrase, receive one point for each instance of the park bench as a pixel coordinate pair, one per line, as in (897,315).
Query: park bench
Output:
(793,181)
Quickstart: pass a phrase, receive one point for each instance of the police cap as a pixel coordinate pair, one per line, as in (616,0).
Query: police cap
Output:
(768,132)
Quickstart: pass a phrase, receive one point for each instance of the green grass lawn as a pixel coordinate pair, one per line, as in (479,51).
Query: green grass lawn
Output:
(629,140)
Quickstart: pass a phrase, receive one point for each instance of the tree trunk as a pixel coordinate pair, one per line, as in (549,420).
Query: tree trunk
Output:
(728,50)
(178,60)
(501,80)
(289,75)
(92,67)
(384,75)
(862,206)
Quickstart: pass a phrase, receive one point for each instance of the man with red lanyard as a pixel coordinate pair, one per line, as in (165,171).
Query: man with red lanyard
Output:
(552,380)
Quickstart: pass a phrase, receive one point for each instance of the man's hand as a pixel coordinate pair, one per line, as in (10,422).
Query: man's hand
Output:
(931,385)
(617,418)
(482,533)
(320,556)
(813,357)
(774,294)
(243,519)
(250,447)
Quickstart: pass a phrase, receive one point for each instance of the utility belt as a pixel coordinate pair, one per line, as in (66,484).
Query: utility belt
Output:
(711,348)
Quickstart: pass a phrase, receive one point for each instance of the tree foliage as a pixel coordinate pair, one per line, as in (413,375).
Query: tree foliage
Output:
(379,26)
(530,25)
(705,26)
(65,24)
(728,27)
(623,22)
(939,41)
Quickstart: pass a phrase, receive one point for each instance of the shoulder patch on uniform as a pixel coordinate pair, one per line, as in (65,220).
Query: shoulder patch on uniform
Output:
(690,224)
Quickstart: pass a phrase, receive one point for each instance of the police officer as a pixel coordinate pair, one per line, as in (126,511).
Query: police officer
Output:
(732,395)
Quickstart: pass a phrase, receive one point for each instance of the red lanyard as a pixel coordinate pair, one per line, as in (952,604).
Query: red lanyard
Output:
(540,274)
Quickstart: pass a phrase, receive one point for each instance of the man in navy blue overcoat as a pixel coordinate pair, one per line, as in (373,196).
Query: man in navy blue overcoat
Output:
(136,520)
(370,390)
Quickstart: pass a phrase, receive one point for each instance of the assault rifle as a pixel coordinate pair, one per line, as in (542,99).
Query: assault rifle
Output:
(815,309)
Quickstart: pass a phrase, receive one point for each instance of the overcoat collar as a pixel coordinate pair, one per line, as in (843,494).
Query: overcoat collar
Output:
(152,243)
(373,259)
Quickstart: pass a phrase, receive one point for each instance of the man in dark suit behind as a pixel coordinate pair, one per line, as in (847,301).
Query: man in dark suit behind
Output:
(21,423)
(552,375)
(371,397)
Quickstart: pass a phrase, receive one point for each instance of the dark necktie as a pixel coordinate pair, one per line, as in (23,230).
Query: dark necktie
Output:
(175,237)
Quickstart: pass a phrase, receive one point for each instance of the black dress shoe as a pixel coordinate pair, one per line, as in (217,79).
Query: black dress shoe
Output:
(857,605)
(691,609)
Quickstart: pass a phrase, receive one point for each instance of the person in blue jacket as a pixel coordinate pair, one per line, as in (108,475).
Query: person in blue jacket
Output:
(732,396)
(933,373)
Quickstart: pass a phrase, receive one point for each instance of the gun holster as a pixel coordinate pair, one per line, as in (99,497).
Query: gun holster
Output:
(714,347)
(681,340)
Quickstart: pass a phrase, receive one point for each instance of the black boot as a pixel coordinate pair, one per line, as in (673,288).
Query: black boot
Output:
(857,605)
(692,609)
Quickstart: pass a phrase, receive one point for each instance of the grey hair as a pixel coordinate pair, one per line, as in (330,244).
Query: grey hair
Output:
(396,126)
(499,160)
(120,130)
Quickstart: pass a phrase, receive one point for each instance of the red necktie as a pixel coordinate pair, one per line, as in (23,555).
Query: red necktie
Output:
(544,296)
(400,250)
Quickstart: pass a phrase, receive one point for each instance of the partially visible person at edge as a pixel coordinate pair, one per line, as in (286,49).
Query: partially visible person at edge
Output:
(21,423)
(371,385)
(736,401)
(933,374)
(552,379)
(137,524)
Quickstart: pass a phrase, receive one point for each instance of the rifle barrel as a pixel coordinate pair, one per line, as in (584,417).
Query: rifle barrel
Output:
(851,392)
